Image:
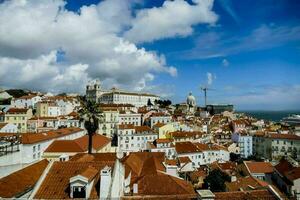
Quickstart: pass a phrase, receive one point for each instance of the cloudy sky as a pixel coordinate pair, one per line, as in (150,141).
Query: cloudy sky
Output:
(247,52)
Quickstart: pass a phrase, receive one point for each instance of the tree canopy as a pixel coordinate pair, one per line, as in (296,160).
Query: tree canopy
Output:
(215,181)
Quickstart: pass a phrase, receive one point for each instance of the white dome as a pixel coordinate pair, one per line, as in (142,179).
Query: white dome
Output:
(191,100)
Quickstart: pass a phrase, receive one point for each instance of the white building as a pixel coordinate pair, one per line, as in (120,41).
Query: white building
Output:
(122,97)
(8,128)
(34,144)
(159,118)
(245,142)
(109,125)
(130,117)
(134,138)
(202,154)
(27,101)
(163,145)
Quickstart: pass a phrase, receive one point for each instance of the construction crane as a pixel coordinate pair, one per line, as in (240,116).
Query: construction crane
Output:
(205,89)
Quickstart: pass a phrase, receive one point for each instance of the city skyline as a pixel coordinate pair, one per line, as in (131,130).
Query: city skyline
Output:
(248,53)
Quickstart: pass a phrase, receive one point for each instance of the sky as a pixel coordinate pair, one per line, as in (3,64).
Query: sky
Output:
(246,52)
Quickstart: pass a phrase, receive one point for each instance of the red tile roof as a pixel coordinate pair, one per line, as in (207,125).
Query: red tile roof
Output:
(31,138)
(259,167)
(284,136)
(186,147)
(142,129)
(247,183)
(78,145)
(17,110)
(19,182)
(56,183)
(243,195)
(126,126)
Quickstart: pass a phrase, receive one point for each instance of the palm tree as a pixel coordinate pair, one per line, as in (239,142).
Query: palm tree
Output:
(90,114)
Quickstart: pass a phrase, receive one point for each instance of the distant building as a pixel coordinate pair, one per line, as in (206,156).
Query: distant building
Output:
(219,108)
(95,93)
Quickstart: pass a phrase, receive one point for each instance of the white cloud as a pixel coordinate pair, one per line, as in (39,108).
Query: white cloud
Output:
(210,78)
(42,73)
(32,31)
(173,18)
(225,62)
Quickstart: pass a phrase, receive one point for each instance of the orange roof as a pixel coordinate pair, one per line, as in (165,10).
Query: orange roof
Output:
(159,141)
(259,167)
(185,134)
(90,172)
(171,162)
(19,182)
(186,147)
(184,159)
(126,126)
(160,114)
(242,195)
(2,125)
(78,145)
(30,96)
(284,136)
(142,128)
(146,170)
(30,138)
(246,183)
(17,110)
(159,124)
(56,183)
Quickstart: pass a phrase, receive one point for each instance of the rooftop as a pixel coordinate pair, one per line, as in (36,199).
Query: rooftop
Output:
(19,182)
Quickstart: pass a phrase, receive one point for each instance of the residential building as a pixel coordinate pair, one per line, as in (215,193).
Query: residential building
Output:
(158,117)
(245,142)
(163,145)
(130,117)
(134,138)
(8,128)
(28,101)
(109,124)
(287,177)
(65,148)
(18,117)
(274,146)
(201,154)
(103,176)
(260,170)
(34,144)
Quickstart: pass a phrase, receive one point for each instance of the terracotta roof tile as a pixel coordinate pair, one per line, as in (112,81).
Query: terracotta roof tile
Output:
(246,183)
(30,138)
(243,195)
(259,167)
(17,183)
(17,110)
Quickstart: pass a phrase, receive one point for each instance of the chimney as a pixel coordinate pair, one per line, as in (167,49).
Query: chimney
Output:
(105,182)
(135,188)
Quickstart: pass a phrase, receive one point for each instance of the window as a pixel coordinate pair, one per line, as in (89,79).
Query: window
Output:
(33,156)
(33,148)
(39,147)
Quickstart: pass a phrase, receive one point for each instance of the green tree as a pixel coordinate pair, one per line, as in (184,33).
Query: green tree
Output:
(90,114)
(215,181)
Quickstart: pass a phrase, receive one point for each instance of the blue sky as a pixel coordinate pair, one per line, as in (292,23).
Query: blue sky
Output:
(242,67)
(247,51)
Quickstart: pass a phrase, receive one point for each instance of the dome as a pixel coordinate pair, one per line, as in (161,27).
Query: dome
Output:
(191,100)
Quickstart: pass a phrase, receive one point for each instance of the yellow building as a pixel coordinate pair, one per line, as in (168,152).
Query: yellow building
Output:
(42,109)
(19,117)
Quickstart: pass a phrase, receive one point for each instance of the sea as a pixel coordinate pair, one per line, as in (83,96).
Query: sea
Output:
(275,116)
